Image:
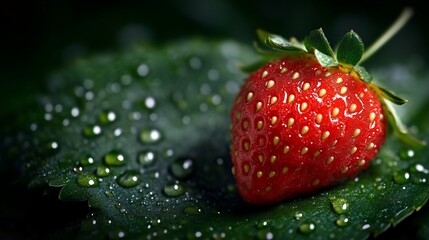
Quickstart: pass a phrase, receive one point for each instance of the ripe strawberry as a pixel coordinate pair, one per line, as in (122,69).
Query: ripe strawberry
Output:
(307,119)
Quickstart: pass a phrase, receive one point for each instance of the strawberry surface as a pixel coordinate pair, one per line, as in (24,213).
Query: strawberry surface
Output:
(298,127)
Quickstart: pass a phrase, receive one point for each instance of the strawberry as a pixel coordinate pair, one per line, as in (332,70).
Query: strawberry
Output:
(307,119)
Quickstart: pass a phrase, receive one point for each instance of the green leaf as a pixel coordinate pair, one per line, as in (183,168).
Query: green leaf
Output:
(152,124)
(324,59)
(363,74)
(316,39)
(399,128)
(390,96)
(350,49)
(277,42)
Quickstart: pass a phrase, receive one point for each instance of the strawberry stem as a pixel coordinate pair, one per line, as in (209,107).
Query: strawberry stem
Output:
(388,34)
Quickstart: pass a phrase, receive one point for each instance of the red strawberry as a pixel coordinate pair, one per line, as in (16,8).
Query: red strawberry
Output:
(307,119)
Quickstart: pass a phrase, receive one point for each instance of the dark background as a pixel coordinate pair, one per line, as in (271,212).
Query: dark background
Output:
(38,37)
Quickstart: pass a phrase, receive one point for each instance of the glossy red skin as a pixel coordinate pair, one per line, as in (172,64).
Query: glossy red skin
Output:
(307,171)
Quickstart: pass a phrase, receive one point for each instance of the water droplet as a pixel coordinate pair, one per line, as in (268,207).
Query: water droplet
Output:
(342,221)
(86,160)
(406,153)
(418,168)
(143,70)
(174,190)
(401,177)
(117,234)
(33,127)
(128,179)
(146,158)
(216,99)
(114,159)
(150,102)
(307,228)
(150,136)
(298,215)
(117,132)
(107,116)
(419,180)
(52,147)
(75,112)
(262,224)
(195,63)
(213,74)
(366,226)
(87,180)
(182,167)
(92,131)
(340,205)
(191,210)
(126,80)
(102,171)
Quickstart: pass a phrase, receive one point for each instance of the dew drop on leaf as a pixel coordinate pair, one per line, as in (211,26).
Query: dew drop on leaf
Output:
(114,159)
(128,179)
(191,210)
(86,160)
(298,215)
(91,131)
(143,70)
(74,112)
(149,102)
(174,190)
(102,171)
(401,177)
(146,158)
(52,147)
(406,153)
(365,226)
(87,180)
(78,169)
(307,228)
(262,224)
(107,116)
(117,234)
(418,168)
(182,168)
(340,205)
(342,221)
(150,136)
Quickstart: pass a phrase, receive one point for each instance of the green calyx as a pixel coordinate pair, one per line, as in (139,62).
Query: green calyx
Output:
(347,56)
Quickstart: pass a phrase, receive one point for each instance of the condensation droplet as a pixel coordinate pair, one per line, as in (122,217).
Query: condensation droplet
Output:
(195,63)
(182,168)
(174,190)
(340,205)
(401,177)
(106,117)
(342,221)
(128,179)
(150,102)
(75,112)
(87,180)
(102,171)
(92,131)
(307,228)
(146,158)
(150,136)
(114,159)
(191,210)
(87,160)
(143,70)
